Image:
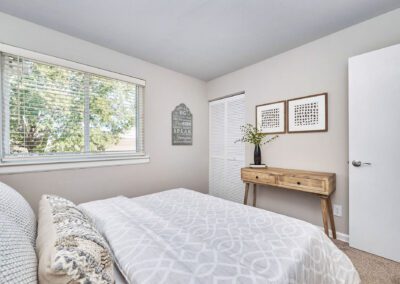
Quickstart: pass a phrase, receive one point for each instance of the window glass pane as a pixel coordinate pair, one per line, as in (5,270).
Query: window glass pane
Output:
(43,106)
(112,115)
(50,110)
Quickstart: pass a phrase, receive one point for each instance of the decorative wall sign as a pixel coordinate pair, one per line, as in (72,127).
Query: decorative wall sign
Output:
(270,118)
(182,126)
(308,114)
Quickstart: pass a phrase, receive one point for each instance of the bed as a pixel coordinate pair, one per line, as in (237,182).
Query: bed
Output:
(182,236)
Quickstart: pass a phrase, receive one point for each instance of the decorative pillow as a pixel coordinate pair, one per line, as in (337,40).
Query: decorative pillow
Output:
(18,263)
(70,249)
(17,208)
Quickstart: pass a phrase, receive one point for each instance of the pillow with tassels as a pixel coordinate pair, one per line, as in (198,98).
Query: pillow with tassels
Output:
(69,247)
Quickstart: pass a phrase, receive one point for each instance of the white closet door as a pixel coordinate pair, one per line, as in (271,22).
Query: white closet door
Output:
(216,149)
(226,156)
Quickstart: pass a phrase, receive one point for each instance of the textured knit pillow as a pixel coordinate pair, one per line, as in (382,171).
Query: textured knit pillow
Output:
(13,205)
(70,248)
(18,263)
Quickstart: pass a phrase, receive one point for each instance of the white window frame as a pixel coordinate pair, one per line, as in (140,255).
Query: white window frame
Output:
(66,161)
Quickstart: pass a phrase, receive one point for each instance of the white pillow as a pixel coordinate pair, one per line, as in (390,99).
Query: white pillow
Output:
(18,262)
(13,205)
(69,247)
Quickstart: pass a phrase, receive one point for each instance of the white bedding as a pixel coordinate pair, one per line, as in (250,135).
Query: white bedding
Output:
(182,236)
(118,277)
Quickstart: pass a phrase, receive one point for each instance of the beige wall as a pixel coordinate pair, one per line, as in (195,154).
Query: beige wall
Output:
(316,67)
(320,66)
(169,167)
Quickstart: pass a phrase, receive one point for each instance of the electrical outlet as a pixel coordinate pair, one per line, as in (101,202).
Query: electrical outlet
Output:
(337,210)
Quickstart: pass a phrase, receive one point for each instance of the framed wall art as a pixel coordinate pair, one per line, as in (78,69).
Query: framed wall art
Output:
(271,118)
(182,125)
(308,114)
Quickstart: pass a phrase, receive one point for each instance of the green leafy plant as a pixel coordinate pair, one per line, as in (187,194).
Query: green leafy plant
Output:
(250,134)
(47,121)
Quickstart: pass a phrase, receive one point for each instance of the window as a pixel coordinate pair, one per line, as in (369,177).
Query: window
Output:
(52,112)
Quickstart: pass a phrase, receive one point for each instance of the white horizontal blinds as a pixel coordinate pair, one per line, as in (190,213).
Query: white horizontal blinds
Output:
(69,64)
(113,116)
(226,156)
(140,119)
(50,110)
(43,108)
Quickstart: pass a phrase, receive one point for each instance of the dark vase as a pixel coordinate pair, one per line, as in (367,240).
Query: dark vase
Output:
(257,155)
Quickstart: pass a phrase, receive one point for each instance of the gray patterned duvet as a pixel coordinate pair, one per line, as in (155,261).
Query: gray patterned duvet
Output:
(182,236)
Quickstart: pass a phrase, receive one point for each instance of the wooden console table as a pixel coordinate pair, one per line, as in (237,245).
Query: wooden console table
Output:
(318,183)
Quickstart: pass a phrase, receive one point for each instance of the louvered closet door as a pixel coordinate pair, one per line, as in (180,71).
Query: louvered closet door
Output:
(226,156)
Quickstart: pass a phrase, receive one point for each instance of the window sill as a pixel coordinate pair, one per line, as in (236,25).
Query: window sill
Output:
(15,168)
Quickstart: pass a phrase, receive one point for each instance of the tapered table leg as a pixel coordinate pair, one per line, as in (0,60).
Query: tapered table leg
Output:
(331,218)
(246,193)
(324,209)
(254,194)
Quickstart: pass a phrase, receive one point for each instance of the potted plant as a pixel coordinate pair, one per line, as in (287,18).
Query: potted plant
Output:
(251,134)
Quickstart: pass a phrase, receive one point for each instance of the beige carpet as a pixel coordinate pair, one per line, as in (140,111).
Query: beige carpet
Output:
(372,269)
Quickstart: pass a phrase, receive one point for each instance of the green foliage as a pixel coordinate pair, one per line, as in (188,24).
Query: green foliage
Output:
(46,105)
(112,112)
(251,134)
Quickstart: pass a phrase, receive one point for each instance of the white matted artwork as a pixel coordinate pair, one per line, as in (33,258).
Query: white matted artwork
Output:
(271,118)
(308,114)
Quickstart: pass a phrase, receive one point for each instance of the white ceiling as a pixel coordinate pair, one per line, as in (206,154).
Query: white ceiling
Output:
(201,38)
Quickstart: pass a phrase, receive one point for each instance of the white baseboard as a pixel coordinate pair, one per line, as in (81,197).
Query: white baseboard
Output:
(339,236)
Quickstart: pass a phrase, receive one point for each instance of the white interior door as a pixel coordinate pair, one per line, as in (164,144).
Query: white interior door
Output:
(226,157)
(374,137)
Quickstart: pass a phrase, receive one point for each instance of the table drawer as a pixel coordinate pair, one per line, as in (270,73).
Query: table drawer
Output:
(308,184)
(257,177)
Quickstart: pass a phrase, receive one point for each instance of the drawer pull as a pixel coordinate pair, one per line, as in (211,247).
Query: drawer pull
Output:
(257,177)
(298,183)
